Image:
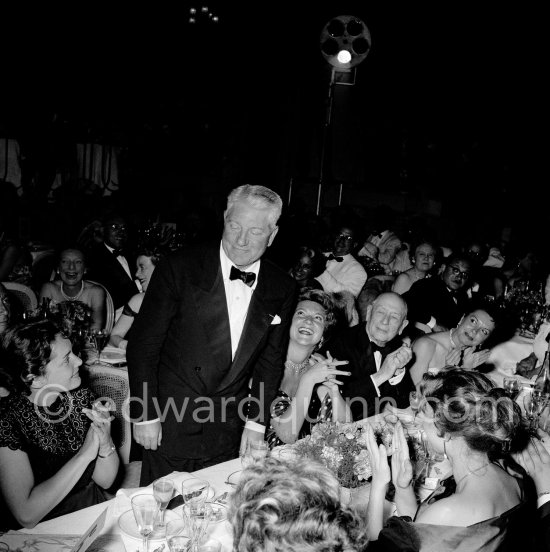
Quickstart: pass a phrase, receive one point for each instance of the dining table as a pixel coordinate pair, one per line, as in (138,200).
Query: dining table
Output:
(63,533)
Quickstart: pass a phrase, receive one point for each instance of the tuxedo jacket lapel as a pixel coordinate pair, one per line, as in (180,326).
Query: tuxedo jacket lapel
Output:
(261,312)
(210,296)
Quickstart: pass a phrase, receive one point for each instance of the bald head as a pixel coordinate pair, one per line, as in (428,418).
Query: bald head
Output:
(386,318)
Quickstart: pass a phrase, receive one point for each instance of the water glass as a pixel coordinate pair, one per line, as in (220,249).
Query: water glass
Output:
(534,403)
(197,517)
(256,452)
(178,543)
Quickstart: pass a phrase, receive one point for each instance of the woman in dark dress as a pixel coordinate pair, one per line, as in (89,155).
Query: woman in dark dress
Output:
(309,389)
(465,417)
(55,441)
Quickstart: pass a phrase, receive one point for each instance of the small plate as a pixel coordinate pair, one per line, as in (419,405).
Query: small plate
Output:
(112,354)
(128,525)
(219,512)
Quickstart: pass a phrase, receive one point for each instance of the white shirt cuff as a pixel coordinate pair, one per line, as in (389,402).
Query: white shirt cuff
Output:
(147,422)
(431,323)
(254,426)
(375,386)
(543,500)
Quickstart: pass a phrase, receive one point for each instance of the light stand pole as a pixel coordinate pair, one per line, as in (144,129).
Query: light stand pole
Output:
(345,42)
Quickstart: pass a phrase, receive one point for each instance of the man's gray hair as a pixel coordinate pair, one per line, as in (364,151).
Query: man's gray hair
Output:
(258,196)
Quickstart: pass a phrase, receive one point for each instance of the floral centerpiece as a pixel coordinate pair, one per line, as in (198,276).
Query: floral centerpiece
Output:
(342,447)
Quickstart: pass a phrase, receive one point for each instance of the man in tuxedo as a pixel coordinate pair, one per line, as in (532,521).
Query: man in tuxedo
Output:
(343,272)
(376,357)
(215,319)
(438,303)
(109,264)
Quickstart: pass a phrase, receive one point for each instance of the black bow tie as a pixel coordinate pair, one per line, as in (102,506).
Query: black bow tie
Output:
(247,277)
(384,349)
(118,252)
(331,257)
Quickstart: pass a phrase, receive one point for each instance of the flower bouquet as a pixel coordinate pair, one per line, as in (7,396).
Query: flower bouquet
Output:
(342,448)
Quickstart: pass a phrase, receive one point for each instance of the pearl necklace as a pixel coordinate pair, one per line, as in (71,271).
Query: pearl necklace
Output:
(453,344)
(470,473)
(298,368)
(77,296)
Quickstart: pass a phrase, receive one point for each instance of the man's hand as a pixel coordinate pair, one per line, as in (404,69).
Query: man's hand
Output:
(393,362)
(149,436)
(249,436)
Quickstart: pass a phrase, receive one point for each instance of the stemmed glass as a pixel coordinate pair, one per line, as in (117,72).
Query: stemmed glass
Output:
(195,491)
(512,387)
(145,509)
(198,517)
(176,535)
(163,489)
(535,402)
(100,338)
(256,452)
(415,398)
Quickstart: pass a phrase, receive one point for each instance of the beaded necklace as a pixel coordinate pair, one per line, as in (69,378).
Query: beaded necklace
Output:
(77,296)
(297,367)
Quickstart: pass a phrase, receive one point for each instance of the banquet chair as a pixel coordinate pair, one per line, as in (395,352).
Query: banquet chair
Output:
(24,295)
(109,308)
(110,382)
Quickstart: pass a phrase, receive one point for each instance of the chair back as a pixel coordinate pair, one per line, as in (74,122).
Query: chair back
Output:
(108,381)
(109,307)
(24,295)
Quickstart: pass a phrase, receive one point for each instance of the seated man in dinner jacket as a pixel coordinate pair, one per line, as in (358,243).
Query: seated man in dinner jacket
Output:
(377,357)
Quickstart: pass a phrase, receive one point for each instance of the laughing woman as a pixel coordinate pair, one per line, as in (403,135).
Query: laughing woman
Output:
(70,286)
(309,390)
(55,441)
(460,346)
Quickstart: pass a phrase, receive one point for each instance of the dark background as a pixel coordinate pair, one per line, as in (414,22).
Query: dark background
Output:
(446,120)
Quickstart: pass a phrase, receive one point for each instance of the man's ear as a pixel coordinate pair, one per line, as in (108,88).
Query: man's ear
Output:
(404,324)
(272,236)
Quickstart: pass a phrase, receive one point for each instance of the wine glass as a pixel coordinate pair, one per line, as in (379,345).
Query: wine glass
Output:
(535,402)
(256,452)
(198,517)
(512,387)
(163,489)
(195,491)
(145,509)
(177,536)
(415,399)
(100,338)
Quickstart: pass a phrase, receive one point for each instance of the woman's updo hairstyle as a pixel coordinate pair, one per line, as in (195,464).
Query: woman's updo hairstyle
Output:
(468,404)
(26,351)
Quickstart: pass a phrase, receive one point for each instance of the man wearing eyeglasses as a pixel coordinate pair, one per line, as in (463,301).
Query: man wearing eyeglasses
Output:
(437,304)
(110,264)
(343,272)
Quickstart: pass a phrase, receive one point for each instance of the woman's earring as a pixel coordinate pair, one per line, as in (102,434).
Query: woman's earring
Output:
(320,344)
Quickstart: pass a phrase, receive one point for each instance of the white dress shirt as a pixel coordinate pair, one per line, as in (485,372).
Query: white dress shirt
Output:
(238,296)
(122,260)
(347,275)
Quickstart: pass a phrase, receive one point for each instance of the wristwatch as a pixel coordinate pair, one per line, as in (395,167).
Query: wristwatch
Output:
(112,449)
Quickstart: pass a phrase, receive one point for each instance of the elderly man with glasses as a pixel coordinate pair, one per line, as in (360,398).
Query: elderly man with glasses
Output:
(343,272)
(437,304)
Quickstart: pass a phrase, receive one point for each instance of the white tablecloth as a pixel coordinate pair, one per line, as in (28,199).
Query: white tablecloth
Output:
(505,357)
(111,539)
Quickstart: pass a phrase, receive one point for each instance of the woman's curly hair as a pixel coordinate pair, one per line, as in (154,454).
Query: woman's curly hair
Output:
(468,404)
(27,350)
(292,506)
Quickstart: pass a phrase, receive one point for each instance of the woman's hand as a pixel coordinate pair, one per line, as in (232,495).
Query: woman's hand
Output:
(401,467)
(324,370)
(452,358)
(90,446)
(381,474)
(101,417)
(535,459)
(473,359)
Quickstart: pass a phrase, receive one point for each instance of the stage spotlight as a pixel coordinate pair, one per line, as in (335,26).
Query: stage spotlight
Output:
(343,57)
(345,42)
